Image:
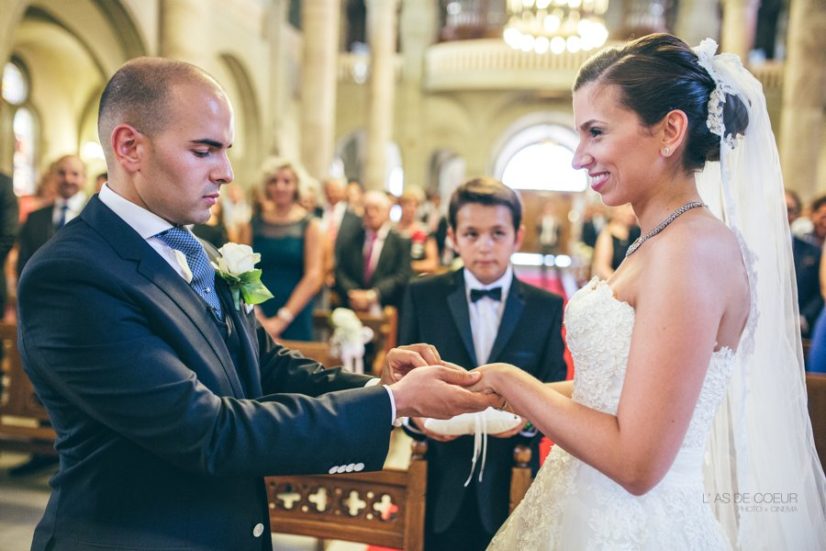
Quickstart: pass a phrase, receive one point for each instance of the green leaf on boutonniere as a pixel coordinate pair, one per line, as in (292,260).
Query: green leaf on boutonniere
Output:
(235,267)
(253,291)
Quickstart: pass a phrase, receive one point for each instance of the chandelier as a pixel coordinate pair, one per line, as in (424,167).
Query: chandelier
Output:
(556,25)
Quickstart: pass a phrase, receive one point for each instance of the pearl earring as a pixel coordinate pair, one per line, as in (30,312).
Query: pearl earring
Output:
(666,151)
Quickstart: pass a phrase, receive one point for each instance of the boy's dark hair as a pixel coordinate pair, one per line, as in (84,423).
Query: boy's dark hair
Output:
(485,191)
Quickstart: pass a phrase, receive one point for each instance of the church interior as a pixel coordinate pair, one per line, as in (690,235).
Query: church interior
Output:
(408,97)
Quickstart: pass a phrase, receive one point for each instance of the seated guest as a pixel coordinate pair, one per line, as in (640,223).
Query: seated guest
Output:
(424,254)
(479,314)
(372,260)
(290,242)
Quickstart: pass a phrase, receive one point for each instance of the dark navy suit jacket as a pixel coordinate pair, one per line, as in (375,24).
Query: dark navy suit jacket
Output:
(163,441)
(807,268)
(436,311)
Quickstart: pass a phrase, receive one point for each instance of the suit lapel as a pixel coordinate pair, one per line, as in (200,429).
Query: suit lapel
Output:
(514,305)
(166,281)
(457,303)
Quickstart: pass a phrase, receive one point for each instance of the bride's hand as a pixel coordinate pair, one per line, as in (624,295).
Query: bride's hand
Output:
(493,377)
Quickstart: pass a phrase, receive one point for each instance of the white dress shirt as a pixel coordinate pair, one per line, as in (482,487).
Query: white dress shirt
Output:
(74,204)
(148,225)
(486,313)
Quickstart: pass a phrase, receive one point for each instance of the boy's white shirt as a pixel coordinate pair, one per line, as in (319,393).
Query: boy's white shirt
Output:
(486,313)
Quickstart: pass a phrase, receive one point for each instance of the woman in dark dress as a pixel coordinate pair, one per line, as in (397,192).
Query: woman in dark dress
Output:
(290,242)
(613,241)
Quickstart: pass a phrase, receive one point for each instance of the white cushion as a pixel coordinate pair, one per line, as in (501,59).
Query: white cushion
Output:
(494,421)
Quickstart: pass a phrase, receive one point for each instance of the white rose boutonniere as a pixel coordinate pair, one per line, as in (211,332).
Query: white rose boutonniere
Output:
(236,266)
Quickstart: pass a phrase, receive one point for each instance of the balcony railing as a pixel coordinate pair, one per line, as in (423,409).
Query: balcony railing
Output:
(490,64)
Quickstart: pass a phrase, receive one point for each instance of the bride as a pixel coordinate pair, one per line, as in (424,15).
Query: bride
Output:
(686,424)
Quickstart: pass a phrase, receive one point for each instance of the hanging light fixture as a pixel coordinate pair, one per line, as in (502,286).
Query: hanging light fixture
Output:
(556,25)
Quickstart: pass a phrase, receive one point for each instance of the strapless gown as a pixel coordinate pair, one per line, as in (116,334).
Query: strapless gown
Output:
(571,506)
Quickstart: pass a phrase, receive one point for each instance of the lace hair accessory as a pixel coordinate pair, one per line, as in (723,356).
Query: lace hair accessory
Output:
(763,477)
(716,101)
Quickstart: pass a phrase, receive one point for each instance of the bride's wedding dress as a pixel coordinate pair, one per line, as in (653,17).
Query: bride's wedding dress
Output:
(571,505)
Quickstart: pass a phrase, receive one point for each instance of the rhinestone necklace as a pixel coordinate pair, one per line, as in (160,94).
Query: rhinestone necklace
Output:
(662,225)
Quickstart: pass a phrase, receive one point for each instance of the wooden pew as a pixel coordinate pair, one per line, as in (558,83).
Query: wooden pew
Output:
(383,508)
(23,419)
(521,477)
(319,351)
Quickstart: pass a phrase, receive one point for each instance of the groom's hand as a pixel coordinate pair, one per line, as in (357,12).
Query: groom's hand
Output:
(402,359)
(438,391)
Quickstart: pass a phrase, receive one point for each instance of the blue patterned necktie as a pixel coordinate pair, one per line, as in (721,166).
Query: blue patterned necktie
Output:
(61,221)
(203,274)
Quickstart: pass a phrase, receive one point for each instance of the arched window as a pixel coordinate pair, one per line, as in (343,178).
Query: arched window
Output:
(539,158)
(16,94)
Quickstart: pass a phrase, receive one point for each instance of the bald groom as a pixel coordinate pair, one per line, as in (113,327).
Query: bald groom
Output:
(170,404)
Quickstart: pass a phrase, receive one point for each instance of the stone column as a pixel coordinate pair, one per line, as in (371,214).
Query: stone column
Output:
(184,30)
(381,37)
(802,119)
(419,29)
(739,25)
(278,89)
(319,21)
(696,20)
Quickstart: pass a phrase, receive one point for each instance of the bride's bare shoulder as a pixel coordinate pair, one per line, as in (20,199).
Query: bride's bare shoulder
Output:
(701,247)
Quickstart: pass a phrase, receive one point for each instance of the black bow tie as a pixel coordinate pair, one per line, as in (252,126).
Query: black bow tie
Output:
(494,293)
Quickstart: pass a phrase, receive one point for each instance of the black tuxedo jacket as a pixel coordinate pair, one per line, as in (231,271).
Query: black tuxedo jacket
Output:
(34,233)
(435,311)
(392,271)
(163,439)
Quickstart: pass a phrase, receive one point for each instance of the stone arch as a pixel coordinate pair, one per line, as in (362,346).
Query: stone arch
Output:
(70,50)
(247,151)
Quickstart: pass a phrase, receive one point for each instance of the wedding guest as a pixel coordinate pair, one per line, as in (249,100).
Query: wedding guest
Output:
(355,197)
(613,241)
(70,177)
(817,236)
(424,254)
(236,212)
(808,271)
(372,260)
(290,242)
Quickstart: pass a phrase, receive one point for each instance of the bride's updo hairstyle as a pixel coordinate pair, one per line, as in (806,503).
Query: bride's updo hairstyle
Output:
(657,74)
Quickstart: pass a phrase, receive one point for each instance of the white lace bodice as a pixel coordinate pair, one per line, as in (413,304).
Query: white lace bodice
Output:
(571,505)
(599,336)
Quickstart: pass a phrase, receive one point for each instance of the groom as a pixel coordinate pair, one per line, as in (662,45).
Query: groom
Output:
(168,401)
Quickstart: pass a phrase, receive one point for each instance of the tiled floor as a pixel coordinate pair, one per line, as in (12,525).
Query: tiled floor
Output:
(23,499)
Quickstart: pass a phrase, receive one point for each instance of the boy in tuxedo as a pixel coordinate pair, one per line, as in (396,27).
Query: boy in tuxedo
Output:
(476,315)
